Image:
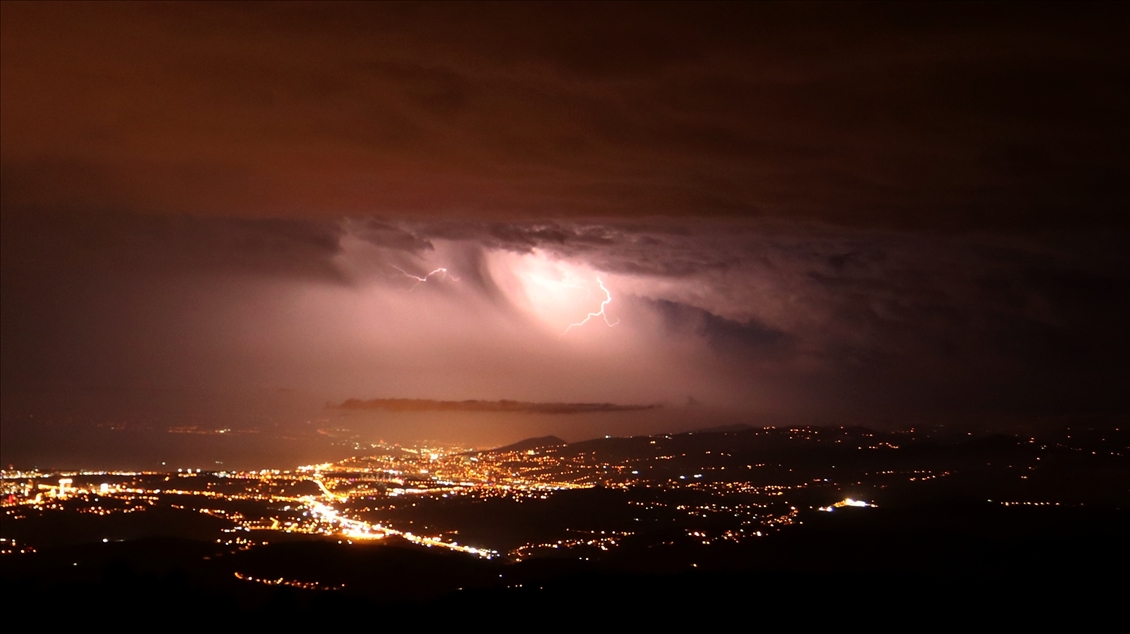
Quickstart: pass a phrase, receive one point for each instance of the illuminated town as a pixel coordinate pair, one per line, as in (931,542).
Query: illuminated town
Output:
(543,498)
(704,514)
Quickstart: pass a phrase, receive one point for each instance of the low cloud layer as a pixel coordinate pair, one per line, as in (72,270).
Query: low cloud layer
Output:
(511,407)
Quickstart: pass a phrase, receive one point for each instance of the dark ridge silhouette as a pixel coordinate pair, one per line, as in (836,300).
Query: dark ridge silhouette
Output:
(528,444)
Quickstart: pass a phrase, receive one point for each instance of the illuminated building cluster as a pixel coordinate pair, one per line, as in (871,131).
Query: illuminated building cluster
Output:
(304,585)
(428,495)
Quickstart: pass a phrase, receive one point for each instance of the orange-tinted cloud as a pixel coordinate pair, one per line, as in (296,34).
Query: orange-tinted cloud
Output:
(912,116)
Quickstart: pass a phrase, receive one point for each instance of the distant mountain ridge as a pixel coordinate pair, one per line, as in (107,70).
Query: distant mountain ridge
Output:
(528,444)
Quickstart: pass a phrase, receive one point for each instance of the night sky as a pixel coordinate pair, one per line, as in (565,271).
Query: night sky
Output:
(790,213)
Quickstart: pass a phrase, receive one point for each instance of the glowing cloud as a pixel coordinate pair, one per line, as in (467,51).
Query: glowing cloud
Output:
(554,290)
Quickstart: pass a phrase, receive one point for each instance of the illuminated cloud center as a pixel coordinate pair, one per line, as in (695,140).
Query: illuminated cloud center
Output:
(564,296)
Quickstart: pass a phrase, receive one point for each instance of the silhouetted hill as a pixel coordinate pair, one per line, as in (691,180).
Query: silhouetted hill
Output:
(530,443)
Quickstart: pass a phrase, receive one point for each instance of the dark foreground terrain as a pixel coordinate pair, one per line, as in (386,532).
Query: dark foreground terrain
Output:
(932,549)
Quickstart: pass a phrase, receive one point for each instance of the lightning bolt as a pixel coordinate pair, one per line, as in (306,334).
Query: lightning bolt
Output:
(599,313)
(442,272)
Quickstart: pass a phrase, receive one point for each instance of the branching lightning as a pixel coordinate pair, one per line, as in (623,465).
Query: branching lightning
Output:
(600,313)
(442,272)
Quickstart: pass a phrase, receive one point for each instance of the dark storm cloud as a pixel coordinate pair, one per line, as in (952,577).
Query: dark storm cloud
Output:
(798,303)
(822,206)
(727,337)
(1003,313)
(990,117)
(128,244)
(388,235)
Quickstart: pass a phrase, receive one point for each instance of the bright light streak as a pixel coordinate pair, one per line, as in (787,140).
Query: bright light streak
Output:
(327,492)
(847,502)
(600,313)
(442,272)
(558,292)
(359,530)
